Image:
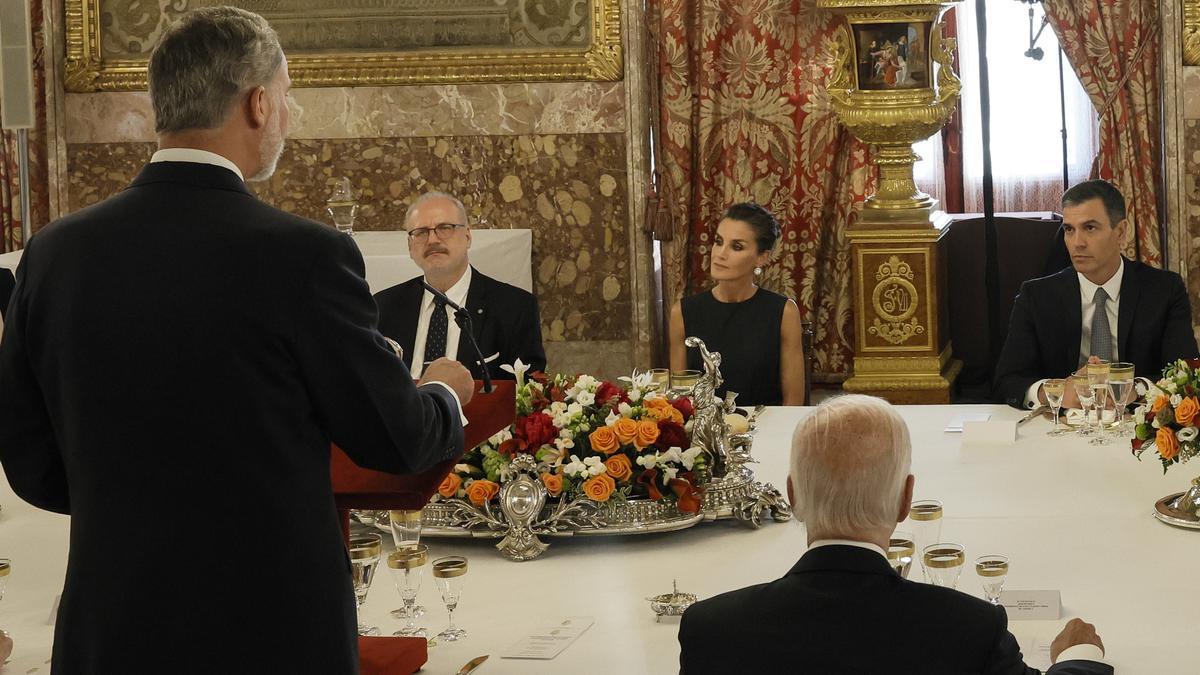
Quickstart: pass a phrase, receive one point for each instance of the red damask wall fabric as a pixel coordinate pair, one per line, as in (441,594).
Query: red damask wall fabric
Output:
(1114,49)
(10,186)
(745,116)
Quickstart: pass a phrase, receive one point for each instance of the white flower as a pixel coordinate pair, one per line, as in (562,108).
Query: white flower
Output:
(586,383)
(1154,422)
(1141,388)
(500,436)
(575,467)
(595,466)
(638,380)
(1170,387)
(612,417)
(625,409)
(585,398)
(671,455)
(462,468)
(1139,415)
(1175,400)
(648,461)
(563,443)
(1187,434)
(576,409)
(688,457)
(669,474)
(517,369)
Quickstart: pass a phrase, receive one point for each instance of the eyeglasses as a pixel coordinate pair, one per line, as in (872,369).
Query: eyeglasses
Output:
(444,230)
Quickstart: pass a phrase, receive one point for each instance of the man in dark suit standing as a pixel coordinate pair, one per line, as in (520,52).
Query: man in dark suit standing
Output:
(504,318)
(1103,305)
(842,608)
(176,362)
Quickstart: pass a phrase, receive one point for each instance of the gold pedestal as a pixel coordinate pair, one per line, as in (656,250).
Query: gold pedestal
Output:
(903,346)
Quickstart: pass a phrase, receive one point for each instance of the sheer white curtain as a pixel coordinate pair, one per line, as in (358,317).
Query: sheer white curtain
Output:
(1026,143)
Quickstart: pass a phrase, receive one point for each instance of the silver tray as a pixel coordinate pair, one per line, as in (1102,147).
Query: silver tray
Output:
(1165,513)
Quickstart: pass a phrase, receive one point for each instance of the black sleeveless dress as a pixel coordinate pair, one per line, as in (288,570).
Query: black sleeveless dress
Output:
(747,336)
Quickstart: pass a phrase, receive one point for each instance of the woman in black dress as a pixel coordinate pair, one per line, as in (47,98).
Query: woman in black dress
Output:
(756,331)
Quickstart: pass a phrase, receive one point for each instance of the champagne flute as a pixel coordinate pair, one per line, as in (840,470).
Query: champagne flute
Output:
(1097,377)
(943,564)
(900,552)
(992,571)
(364,559)
(926,525)
(407,565)
(406,533)
(1054,390)
(1087,398)
(448,572)
(1124,389)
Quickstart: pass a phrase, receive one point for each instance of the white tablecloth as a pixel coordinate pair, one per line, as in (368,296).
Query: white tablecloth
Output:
(500,254)
(1070,516)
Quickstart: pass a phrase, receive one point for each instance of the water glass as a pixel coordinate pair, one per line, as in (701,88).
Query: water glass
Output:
(1087,400)
(901,548)
(992,571)
(1054,390)
(926,523)
(365,550)
(1124,390)
(661,378)
(448,572)
(682,381)
(407,566)
(943,564)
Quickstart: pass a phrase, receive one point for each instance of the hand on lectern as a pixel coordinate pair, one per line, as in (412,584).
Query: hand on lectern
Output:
(454,375)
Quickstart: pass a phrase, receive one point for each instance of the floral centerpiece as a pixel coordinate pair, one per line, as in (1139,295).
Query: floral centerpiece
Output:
(1167,421)
(592,439)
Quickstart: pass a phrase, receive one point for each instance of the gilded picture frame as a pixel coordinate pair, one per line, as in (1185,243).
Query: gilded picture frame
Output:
(587,46)
(1191,32)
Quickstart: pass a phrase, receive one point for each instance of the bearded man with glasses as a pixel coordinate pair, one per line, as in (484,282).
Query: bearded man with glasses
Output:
(504,318)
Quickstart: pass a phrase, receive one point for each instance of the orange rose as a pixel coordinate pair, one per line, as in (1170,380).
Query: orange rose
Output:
(626,430)
(481,491)
(599,488)
(1159,403)
(618,467)
(553,483)
(1167,444)
(647,433)
(664,413)
(676,416)
(450,485)
(1185,412)
(655,403)
(604,440)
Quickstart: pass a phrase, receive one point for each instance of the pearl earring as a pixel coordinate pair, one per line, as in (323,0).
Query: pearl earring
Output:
(757,271)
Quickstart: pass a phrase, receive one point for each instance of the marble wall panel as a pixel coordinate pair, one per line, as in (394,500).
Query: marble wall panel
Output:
(1191,163)
(570,190)
(1191,92)
(386,112)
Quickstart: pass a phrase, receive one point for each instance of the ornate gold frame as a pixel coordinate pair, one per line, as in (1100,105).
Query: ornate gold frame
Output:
(87,70)
(1191,32)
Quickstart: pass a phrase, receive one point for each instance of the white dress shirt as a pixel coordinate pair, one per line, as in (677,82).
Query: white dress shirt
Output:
(1087,299)
(848,542)
(458,294)
(195,156)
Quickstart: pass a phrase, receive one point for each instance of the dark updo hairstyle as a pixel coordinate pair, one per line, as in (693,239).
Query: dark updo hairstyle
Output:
(766,228)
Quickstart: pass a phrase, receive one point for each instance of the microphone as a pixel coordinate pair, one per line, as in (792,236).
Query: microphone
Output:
(463,318)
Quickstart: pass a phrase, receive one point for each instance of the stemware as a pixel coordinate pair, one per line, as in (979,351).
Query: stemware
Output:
(992,571)
(407,566)
(406,533)
(1124,389)
(1087,398)
(682,381)
(1097,377)
(926,525)
(1054,390)
(448,571)
(901,548)
(943,564)
(365,550)
(662,378)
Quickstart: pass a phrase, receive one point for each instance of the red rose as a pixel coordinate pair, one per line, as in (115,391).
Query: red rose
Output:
(684,405)
(539,377)
(509,448)
(608,391)
(557,394)
(535,430)
(688,496)
(672,435)
(648,480)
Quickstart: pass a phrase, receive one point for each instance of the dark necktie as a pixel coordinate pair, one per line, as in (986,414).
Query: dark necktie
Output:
(1101,334)
(435,339)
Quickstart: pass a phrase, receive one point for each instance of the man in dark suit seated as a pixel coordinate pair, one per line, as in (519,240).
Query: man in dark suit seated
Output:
(1103,305)
(504,318)
(178,359)
(842,608)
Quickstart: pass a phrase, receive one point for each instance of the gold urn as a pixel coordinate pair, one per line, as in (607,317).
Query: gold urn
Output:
(893,85)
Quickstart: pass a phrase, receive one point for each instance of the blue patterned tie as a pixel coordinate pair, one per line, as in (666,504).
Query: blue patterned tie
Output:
(435,339)
(1101,334)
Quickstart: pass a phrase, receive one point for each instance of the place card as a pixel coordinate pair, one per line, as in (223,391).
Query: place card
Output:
(955,425)
(548,642)
(1032,605)
(992,432)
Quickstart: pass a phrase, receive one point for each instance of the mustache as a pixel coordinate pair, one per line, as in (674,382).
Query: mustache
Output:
(436,249)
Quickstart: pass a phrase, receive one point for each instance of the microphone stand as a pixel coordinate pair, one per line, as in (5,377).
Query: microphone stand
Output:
(463,318)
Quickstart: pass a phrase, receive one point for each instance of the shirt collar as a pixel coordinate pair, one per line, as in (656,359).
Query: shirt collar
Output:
(197,156)
(847,542)
(457,293)
(1112,287)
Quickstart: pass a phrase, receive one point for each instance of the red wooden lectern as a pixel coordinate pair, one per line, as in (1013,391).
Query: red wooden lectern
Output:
(358,488)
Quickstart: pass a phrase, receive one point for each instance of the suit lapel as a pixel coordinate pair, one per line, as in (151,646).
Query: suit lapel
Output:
(476,305)
(1074,316)
(410,306)
(1130,290)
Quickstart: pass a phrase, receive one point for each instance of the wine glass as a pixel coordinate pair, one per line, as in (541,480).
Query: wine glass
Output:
(364,559)
(448,572)
(682,381)
(1087,398)
(926,517)
(1054,390)
(1097,377)
(992,571)
(407,566)
(342,206)
(943,564)
(1124,389)
(406,533)
(900,552)
(662,378)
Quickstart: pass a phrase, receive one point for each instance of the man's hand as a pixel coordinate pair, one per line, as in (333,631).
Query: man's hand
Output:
(454,375)
(1076,632)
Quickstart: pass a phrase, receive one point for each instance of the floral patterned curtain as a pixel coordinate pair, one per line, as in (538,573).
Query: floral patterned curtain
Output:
(1114,49)
(745,115)
(10,186)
